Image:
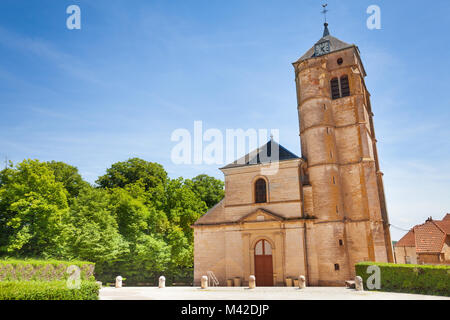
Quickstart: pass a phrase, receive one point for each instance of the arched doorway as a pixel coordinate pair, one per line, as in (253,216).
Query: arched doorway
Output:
(263,264)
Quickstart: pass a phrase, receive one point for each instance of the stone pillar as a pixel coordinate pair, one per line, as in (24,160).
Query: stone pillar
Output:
(229,282)
(302,282)
(119,282)
(162,282)
(204,282)
(237,282)
(252,282)
(359,284)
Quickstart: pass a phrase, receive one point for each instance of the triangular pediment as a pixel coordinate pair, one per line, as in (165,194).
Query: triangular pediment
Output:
(261,215)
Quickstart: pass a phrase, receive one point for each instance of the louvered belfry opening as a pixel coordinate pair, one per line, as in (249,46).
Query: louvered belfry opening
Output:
(345,87)
(335,94)
(260,191)
(340,87)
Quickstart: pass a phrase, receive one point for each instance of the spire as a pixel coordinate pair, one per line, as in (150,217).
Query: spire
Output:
(326,32)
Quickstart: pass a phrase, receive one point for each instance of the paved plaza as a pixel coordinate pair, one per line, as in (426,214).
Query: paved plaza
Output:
(261,293)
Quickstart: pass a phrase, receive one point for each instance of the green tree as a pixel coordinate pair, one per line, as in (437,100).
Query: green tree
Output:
(183,206)
(68,175)
(209,189)
(93,232)
(33,206)
(140,226)
(131,171)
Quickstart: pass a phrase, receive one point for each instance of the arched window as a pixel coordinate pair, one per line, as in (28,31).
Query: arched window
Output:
(260,191)
(263,248)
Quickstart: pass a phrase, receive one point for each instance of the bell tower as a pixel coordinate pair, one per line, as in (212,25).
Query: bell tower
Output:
(342,177)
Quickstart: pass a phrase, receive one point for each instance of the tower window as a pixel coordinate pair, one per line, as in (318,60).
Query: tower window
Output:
(334,180)
(340,87)
(340,61)
(335,93)
(260,191)
(336,267)
(345,87)
(341,243)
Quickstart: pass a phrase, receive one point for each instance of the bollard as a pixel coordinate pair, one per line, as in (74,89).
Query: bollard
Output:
(119,282)
(359,284)
(162,282)
(302,282)
(229,282)
(237,282)
(204,282)
(252,282)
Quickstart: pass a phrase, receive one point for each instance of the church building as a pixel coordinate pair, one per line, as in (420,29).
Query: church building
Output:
(316,215)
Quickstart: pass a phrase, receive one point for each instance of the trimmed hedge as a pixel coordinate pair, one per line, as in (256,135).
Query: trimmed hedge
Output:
(409,278)
(47,290)
(44,270)
(136,278)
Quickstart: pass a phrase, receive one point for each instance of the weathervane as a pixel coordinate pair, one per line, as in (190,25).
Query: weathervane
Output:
(325,11)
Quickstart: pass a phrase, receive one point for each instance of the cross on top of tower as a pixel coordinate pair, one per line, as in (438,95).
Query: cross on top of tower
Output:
(325,11)
(326,32)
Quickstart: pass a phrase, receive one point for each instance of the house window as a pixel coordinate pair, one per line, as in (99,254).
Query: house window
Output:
(340,87)
(260,191)
(408,260)
(336,267)
(341,243)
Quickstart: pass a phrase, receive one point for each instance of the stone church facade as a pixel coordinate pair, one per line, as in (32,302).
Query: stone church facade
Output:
(316,215)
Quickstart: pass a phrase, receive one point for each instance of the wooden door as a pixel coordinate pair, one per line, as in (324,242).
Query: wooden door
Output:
(263,264)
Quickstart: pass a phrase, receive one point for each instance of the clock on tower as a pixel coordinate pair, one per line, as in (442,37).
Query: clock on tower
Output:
(322,48)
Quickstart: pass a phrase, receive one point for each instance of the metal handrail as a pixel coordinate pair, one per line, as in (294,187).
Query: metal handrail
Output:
(212,276)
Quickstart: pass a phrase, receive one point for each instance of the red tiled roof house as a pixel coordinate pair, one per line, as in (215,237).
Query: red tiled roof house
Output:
(427,243)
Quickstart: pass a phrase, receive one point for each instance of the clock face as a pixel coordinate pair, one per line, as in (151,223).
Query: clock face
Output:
(322,48)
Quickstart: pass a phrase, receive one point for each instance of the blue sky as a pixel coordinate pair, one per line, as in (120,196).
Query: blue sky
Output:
(138,70)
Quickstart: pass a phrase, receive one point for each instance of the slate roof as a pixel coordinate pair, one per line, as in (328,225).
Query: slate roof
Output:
(264,154)
(335,45)
(213,215)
